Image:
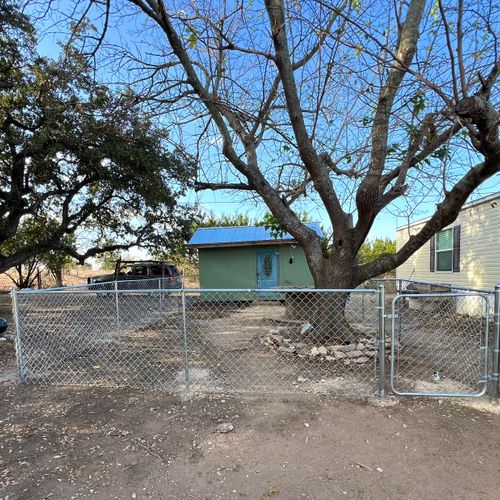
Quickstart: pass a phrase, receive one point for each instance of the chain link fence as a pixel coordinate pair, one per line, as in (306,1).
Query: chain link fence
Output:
(431,341)
(201,340)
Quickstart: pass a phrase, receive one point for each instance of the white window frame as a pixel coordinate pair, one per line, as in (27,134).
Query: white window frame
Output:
(436,251)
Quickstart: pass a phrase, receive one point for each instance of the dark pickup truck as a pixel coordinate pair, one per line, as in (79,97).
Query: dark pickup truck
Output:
(138,275)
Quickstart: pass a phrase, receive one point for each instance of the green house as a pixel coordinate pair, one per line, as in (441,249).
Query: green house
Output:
(250,257)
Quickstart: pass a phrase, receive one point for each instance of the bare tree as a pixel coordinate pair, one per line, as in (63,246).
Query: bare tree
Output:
(357,106)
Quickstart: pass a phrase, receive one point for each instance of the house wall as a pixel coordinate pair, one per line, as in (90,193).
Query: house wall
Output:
(296,274)
(230,267)
(236,267)
(479,249)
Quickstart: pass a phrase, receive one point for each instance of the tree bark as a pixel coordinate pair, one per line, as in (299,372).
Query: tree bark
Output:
(58,276)
(329,320)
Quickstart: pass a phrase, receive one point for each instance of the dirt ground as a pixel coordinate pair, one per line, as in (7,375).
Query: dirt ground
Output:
(75,442)
(64,442)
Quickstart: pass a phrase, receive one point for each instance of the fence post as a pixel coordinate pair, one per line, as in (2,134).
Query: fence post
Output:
(160,292)
(117,310)
(496,346)
(19,346)
(381,346)
(185,336)
(400,305)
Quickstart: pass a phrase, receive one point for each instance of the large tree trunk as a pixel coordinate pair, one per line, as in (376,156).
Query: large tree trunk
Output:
(329,322)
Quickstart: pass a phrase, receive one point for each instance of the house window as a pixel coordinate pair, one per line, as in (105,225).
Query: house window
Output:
(444,250)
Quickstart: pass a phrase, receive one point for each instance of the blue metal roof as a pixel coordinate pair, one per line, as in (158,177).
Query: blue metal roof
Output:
(232,235)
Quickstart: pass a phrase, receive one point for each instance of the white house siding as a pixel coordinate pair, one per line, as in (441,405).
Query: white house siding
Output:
(479,248)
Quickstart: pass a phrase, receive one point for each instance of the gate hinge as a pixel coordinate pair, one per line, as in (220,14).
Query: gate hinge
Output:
(390,316)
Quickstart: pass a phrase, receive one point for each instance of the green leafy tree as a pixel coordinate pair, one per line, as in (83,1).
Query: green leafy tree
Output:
(56,262)
(224,220)
(181,255)
(277,230)
(107,260)
(78,153)
(373,250)
(24,274)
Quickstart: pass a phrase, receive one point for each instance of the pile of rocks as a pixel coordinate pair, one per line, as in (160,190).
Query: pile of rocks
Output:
(364,350)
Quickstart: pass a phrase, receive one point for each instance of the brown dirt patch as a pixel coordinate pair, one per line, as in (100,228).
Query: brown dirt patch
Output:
(59,442)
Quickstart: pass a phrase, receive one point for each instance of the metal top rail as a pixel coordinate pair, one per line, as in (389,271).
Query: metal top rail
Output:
(468,293)
(434,283)
(96,285)
(89,289)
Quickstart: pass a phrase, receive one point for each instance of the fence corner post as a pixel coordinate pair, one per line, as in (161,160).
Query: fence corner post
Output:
(496,346)
(381,340)
(18,344)
(185,339)
(117,310)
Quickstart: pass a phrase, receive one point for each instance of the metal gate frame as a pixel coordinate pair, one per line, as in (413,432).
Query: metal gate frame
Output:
(395,316)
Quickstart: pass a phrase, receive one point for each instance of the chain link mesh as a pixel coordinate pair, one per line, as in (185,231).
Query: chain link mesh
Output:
(204,340)
(145,335)
(114,339)
(440,342)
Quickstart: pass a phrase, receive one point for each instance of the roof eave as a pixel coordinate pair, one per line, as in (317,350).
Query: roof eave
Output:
(243,244)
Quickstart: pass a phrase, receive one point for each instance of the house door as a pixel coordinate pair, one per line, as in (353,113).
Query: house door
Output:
(267,268)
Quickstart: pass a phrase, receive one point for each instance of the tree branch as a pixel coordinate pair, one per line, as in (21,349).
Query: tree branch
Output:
(368,194)
(306,236)
(312,162)
(215,186)
(92,252)
(481,113)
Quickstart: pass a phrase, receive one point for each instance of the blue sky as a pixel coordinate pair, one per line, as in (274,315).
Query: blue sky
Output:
(384,226)
(220,202)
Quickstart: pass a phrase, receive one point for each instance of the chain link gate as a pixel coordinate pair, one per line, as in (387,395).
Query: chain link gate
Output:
(439,344)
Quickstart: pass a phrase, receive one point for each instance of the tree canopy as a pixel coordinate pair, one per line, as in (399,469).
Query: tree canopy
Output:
(355,106)
(29,233)
(77,153)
